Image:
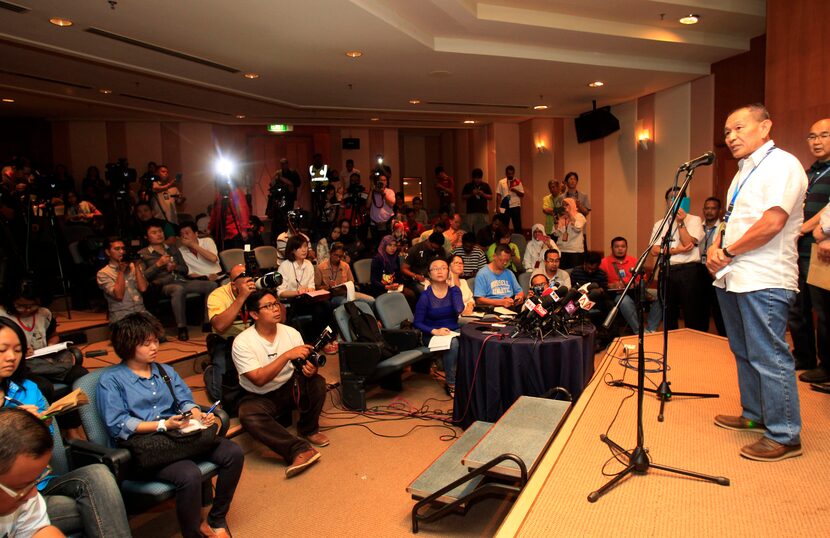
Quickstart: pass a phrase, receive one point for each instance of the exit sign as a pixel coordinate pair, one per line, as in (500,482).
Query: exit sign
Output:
(280,128)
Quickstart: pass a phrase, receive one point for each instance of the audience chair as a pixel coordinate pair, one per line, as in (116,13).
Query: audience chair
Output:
(521,242)
(393,310)
(362,363)
(139,495)
(231,257)
(363,271)
(524,281)
(266,257)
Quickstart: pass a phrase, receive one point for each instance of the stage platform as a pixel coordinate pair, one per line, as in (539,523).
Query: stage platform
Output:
(787,498)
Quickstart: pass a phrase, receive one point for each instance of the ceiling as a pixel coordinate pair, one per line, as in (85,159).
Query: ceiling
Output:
(486,61)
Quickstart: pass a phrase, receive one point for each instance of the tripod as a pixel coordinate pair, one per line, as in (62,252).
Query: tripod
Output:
(227,205)
(663,391)
(638,459)
(48,211)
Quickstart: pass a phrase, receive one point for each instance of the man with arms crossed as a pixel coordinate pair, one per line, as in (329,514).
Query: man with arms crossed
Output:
(758,248)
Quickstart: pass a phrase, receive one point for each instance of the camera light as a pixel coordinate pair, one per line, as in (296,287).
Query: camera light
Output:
(224,167)
(380,159)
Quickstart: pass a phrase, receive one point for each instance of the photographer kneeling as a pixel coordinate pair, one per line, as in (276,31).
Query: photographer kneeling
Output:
(263,355)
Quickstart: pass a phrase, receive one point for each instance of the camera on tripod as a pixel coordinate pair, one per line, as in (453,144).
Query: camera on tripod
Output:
(119,175)
(316,357)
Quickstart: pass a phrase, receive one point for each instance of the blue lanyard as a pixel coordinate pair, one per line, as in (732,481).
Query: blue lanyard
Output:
(741,186)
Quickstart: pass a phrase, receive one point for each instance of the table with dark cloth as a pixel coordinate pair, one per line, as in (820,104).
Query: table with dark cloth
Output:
(512,367)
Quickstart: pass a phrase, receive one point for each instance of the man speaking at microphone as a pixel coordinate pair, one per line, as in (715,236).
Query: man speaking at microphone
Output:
(755,264)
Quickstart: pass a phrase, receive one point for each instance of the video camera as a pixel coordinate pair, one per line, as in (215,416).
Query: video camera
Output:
(119,174)
(316,357)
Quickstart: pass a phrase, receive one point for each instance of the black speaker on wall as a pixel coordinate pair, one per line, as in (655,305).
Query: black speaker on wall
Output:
(351,143)
(595,124)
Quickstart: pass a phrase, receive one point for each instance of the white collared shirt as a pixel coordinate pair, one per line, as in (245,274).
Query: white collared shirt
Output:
(779,181)
(695,228)
(296,276)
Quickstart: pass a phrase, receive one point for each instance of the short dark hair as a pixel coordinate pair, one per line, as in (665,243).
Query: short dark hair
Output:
(108,242)
(574,174)
(25,289)
(436,238)
(439,169)
(759,110)
(131,331)
(552,250)
(153,223)
(21,433)
(252,302)
(22,371)
(713,199)
(189,224)
(502,248)
(671,190)
(294,242)
(468,237)
(349,161)
(337,245)
(477,172)
(593,257)
(538,275)
(618,238)
(509,167)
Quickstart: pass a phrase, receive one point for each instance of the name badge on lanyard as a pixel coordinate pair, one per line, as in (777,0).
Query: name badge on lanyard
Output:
(740,186)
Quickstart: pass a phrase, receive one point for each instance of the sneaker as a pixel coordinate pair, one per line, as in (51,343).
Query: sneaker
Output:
(301,462)
(450,390)
(821,387)
(765,449)
(816,375)
(740,424)
(317,439)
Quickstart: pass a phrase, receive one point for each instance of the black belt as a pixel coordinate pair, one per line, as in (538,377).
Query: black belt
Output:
(680,266)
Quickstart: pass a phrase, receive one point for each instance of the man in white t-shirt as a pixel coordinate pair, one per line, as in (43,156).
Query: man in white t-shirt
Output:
(511,187)
(755,263)
(25,450)
(199,253)
(262,355)
(684,274)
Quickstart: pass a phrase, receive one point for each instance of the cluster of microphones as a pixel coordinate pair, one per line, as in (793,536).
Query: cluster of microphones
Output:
(555,309)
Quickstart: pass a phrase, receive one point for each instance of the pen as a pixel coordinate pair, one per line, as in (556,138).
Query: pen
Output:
(12,400)
(212,407)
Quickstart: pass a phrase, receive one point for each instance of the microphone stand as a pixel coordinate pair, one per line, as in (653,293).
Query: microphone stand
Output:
(663,391)
(638,458)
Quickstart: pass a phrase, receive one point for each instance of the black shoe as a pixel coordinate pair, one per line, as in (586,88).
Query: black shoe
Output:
(804,366)
(821,387)
(816,375)
(183,336)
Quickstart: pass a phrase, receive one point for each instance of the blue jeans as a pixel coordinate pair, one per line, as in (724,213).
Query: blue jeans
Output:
(449,357)
(755,324)
(87,500)
(628,309)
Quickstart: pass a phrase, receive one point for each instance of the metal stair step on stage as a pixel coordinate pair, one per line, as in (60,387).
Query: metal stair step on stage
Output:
(448,468)
(526,430)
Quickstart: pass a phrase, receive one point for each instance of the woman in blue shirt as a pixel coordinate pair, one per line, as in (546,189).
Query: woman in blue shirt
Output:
(436,314)
(133,398)
(85,500)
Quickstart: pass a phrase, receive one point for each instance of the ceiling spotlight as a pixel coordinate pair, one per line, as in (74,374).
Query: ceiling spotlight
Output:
(596,84)
(689,19)
(354,53)
(105,91)
(240,116)
(414,101)
(374,119)
(540,107)
(469,121)
(57,21)
(8,100)
(251,76)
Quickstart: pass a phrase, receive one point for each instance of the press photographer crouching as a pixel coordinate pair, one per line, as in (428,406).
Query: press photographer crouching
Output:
(140,396)
(264,356)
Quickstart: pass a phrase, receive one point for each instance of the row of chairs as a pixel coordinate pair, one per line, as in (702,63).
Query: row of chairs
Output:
(266,257)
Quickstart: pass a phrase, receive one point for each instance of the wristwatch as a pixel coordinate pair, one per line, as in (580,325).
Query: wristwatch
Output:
(727,253)
(681,224)
(161,427)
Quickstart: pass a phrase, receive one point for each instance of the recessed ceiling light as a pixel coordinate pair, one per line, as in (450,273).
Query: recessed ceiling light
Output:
(374,119)
(57,21)
(469,121)
(105,91)
(354,53)
(596,84)
(540,107)
(240,116)
(414,101)
(689,19)
(8,100)
(251,75)
(439,73)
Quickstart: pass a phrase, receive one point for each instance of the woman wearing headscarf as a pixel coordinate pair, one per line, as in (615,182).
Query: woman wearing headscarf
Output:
(535,252)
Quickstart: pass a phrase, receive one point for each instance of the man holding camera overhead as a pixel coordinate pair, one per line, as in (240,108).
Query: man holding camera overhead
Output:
(277,374)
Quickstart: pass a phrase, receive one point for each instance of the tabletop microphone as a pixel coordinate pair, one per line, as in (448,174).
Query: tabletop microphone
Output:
(704,160)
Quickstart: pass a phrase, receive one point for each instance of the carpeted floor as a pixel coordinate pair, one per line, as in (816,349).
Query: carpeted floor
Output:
(787,498)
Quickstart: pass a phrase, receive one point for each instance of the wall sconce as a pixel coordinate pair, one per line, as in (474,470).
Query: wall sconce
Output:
(540,147)
(643,138)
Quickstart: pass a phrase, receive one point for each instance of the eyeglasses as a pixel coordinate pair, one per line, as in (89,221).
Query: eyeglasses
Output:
(812,137)
(270,306)
(240,275)
(25,306)
(17,494)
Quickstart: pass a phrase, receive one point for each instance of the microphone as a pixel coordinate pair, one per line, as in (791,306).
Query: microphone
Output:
(567,303)
(704,160)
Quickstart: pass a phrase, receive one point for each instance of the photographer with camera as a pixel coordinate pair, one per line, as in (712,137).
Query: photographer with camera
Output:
(383,206)
(282,195)
(122,281)
(272,385)
(163,194)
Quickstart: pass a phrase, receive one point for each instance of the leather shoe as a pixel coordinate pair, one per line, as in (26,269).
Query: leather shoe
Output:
(821,387)
(816,375)
(301,462)
(317,439)
(183,336)
(740,424)
(765,449)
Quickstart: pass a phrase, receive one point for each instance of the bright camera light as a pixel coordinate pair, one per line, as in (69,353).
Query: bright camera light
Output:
(224,167)
(380,159)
